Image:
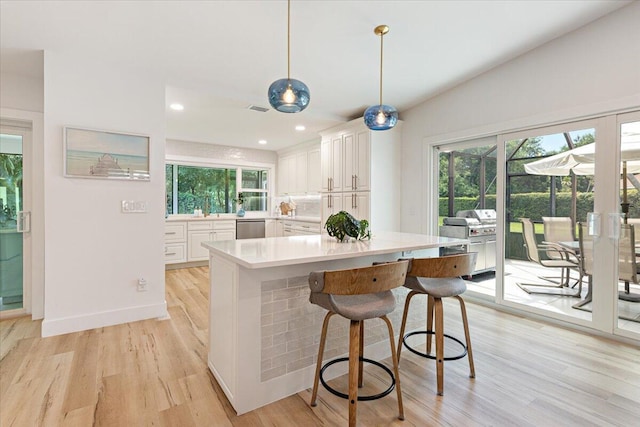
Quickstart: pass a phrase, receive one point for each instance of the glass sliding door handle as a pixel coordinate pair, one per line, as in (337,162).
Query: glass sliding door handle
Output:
(23,224)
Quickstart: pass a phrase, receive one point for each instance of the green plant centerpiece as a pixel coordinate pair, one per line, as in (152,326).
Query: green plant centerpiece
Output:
(343,225)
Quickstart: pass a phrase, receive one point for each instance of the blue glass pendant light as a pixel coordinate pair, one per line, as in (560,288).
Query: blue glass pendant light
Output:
(289,95)
(381,117)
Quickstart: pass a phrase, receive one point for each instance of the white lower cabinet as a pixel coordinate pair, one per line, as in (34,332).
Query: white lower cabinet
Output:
(300,228)
(270,228)
(196,251)
(199,231)
(279,229)
(175,242)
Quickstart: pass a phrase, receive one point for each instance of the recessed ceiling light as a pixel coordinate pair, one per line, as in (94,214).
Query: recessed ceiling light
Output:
(176,107)
(300,127)
(262,142)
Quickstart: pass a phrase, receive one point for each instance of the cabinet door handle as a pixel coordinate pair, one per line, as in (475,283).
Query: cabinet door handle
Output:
(170,253)
(355,182)
(329,201)
(169,232)
(355,201)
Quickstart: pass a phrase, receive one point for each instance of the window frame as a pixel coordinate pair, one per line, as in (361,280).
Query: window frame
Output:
(222,164)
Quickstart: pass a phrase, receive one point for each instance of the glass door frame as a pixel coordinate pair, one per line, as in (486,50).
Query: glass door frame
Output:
(14,127)
(607,129)
(604,305)
(621,119)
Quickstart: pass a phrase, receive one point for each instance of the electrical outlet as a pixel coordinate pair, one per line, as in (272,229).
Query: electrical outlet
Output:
(142,285)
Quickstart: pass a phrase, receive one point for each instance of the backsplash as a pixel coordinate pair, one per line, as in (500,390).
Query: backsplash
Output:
(307,206)
(291,327)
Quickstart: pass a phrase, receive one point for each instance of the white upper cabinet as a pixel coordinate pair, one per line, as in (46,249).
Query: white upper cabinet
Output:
(300,176)
(357,161)
(332,156)
(299,172)
(349,154)
(314,183)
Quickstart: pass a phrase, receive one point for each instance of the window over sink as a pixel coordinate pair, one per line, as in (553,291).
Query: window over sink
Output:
(214,188)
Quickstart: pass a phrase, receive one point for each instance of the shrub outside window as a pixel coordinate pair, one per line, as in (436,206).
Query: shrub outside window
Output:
(197,187)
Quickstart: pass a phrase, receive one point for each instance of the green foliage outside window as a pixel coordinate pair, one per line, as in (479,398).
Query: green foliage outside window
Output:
(11,181)
(196,187)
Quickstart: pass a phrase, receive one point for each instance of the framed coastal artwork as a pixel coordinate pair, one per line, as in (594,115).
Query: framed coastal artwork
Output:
(92,153)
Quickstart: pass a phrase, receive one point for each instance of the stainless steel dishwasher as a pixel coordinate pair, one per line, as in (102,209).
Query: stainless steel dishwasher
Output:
(250,228)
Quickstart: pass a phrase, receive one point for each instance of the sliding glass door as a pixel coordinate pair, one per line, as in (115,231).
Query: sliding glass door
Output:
(11,233)
(547,198)
(628,289)
(565,196)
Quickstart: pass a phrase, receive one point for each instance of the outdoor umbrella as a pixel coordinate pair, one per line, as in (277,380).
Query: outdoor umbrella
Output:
(581,161)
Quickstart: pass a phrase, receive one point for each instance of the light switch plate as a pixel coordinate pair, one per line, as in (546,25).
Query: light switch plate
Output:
(133,206)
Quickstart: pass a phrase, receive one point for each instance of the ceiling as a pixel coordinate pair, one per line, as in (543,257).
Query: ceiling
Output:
(219,57)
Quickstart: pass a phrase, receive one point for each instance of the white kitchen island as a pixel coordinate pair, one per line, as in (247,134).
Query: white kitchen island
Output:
(264,333)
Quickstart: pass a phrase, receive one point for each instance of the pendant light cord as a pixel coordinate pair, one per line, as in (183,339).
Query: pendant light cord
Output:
(288,39)
(381,41)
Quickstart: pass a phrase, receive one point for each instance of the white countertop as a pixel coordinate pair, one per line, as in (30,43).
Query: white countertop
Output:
(281,251)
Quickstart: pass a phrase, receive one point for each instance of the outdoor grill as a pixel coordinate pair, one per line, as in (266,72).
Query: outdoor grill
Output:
(479,227)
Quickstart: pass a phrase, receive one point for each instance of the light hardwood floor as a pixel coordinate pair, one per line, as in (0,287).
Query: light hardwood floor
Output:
(154,372)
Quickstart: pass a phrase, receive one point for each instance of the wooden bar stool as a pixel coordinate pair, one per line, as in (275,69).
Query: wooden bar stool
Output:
(358,294)
(439,278)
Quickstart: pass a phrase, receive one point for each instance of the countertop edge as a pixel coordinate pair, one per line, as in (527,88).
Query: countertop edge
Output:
(331,257)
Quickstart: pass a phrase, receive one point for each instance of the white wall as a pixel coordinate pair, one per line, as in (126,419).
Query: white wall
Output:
(591,71)
(21,92)
(94,254)
(212,152)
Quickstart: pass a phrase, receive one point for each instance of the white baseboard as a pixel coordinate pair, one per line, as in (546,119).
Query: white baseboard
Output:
(65,325)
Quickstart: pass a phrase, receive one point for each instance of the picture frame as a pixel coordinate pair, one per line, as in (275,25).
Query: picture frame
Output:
(99,154)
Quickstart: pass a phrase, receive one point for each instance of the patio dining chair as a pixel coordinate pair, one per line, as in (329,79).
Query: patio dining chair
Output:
(563,263)
(627,261)
(559,229)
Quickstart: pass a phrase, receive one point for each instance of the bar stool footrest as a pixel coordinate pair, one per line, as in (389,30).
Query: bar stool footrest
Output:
(432,356)
(360,398)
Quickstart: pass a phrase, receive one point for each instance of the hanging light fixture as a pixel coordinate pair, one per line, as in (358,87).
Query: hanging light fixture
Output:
(289,95)
(381,117)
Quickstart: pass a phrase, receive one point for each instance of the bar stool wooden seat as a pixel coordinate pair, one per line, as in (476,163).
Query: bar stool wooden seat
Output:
(439,278)
(358,294)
